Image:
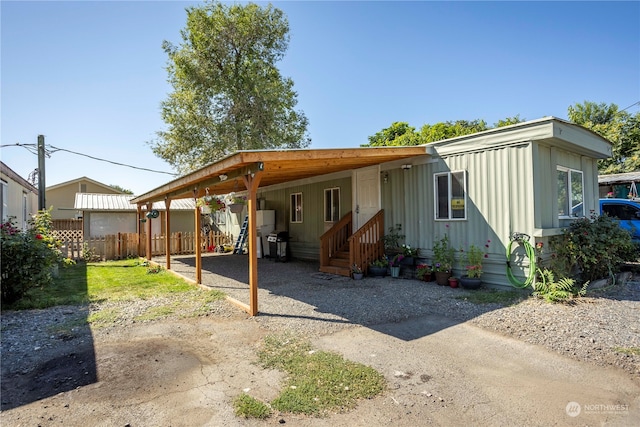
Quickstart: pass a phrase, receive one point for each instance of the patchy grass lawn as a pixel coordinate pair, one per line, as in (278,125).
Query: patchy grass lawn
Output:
(123,280)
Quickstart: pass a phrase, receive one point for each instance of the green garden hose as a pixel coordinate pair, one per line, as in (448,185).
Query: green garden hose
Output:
(522,239)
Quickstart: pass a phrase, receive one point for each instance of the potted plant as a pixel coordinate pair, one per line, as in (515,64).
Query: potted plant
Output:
(409,254)
(474,256)
(391,241)
(453,282)
(423,272)
(356,272)
(443,256)
(215,203)
(378,268)
(395,265)
(236,203)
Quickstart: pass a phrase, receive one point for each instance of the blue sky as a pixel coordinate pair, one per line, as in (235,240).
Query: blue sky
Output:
(90,76)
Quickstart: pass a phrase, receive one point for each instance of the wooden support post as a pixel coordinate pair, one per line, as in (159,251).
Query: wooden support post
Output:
(198,247)
(149,253)
(167,233)
(252,182)
(139,230)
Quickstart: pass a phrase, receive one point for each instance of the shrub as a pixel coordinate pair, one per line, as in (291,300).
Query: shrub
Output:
(591,248)
(28,256)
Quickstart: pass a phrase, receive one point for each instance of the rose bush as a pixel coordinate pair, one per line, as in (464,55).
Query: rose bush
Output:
(28,256)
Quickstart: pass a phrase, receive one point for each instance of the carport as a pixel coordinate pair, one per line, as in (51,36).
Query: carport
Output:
(256,169)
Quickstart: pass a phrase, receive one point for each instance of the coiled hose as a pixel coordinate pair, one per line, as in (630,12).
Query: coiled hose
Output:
(530,251)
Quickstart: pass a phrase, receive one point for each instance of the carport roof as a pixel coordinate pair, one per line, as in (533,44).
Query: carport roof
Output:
(278,166)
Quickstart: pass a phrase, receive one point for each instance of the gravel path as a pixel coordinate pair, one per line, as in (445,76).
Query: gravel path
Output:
(294,297)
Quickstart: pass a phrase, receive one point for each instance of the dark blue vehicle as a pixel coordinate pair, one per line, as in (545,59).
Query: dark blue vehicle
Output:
(626,212)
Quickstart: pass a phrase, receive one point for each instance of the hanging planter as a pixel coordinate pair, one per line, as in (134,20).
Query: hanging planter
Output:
(236,207)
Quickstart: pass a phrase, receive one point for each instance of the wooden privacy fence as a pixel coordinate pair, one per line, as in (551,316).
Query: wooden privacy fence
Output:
(123,245)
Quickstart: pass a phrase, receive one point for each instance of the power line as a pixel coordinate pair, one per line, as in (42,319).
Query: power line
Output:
(32,148)
(635,103)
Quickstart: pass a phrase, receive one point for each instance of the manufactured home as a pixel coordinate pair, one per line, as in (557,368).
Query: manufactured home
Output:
(531,178)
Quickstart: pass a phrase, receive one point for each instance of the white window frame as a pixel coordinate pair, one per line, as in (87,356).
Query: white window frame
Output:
(296,208)
(568,205)
(332,195)
(436,193)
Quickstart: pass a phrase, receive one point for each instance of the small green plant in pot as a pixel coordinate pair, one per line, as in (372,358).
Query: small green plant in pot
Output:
(356,272)
(423,272)
(379,267)
(443,257)
(475,256)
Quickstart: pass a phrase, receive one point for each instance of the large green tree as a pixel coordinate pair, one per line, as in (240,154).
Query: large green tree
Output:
(228,94)
(618,126)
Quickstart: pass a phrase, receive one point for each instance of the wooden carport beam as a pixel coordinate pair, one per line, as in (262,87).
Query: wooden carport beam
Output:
(201,189)
(149,254)
(198,243)
(252,182)
(167,232)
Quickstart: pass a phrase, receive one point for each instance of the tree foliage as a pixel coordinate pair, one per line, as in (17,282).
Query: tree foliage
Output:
(619,127)
(401,134)
(120,189)
(228,94)
(398,134)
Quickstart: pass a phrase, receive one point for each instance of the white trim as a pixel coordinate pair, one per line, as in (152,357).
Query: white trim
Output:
(570,171)
(324,211)
(291,212)
(449,175)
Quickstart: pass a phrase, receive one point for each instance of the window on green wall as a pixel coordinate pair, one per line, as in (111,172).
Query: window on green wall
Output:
(331,204)
(570,193)
(450,190)
(296,207)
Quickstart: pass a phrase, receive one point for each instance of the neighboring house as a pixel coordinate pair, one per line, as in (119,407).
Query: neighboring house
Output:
(622,185)
(62,196)
(19,197)
(106,214)
(525,178)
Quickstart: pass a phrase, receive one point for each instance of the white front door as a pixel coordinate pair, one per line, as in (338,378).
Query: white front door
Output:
(367,195)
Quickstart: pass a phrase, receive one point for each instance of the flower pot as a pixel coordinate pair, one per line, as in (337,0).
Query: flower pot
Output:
(377,271)
(408,260)
(453,282)
(442,277)
(395,272)
(470,282)
(427,277)
(236,207)
(358,276)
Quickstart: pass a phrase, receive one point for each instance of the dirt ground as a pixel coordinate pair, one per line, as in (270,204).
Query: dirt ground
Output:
(186,372)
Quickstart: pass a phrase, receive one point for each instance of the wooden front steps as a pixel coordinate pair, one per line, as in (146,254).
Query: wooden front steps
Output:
(338,264)
(340,248)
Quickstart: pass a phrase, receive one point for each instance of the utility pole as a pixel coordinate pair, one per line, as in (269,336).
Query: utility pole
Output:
(41,184)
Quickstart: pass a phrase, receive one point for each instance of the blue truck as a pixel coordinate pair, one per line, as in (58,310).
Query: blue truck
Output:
(626,212)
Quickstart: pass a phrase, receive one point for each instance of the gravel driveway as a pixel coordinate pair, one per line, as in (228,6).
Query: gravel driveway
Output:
(432,345)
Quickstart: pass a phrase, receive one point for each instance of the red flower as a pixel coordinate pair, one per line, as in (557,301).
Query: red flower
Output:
(39,236)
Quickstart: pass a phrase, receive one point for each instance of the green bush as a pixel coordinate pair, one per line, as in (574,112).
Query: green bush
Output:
(28,256)
(591,249)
